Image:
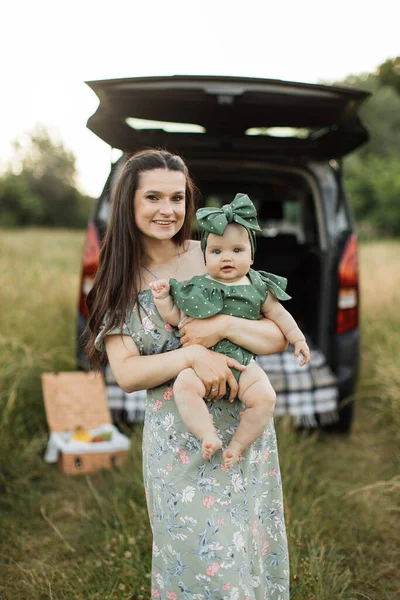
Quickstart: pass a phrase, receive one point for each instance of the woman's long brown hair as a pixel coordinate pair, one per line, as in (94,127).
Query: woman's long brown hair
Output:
(116,280)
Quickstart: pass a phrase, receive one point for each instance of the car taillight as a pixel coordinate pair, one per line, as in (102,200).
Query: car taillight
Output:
(91,253)
(347,309)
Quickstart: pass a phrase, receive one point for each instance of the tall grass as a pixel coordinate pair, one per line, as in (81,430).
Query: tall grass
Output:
(380,312)
(88,538)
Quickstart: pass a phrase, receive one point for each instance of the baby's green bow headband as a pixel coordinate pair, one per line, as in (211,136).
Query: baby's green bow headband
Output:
(241,211)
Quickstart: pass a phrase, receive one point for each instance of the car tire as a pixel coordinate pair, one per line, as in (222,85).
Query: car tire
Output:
(346,415)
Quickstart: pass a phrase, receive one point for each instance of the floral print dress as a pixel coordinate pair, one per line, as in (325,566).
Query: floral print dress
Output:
(218,534)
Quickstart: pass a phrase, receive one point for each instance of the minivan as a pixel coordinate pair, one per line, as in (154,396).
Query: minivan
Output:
(282,143)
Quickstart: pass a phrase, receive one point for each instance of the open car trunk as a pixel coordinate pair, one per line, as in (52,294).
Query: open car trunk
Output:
(228,117)
(290,242)
(274,141)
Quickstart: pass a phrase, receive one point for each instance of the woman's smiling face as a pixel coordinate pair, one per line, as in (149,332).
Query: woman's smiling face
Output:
(159,203)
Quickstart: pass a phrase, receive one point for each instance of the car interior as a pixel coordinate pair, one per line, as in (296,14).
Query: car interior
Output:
(289,243)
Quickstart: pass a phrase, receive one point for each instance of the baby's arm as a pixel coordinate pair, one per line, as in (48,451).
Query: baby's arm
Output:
(272,309)
(169,311)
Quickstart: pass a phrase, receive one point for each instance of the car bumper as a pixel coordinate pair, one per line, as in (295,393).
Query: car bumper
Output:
(347,362)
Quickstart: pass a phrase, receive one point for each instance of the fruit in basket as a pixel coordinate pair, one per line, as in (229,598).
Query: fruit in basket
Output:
(105,436)
(81,435)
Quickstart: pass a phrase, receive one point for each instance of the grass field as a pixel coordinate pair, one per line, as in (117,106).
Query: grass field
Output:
(87,538)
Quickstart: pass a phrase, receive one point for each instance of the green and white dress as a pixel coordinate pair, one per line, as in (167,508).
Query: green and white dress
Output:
(217,534)
(203,297)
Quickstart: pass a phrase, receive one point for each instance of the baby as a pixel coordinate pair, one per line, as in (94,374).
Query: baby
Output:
(230,286)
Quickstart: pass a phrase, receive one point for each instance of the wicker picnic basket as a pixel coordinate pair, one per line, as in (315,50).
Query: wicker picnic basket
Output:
(78,399)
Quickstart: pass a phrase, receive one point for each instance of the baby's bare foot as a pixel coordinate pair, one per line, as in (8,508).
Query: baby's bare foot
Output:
(210,444)
(231,455)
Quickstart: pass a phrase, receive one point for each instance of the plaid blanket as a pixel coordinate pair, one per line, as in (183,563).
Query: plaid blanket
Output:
(309,394)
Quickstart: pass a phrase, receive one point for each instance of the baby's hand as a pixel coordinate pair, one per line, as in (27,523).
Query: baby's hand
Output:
(303,349)
(160,288)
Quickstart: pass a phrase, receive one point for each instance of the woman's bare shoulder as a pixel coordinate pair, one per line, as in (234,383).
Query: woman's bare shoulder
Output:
(193,250)
(192,246)
(194,260)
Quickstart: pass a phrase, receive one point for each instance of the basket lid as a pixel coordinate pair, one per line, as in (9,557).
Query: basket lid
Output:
(75,399)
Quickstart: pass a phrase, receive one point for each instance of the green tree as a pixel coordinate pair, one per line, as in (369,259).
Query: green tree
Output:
(389,73)
(372,172)
(18,203)
(44,192)
(373,184)
(380,114)
(41,155)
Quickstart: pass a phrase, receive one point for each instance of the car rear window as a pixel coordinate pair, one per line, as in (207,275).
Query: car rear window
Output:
(282,208)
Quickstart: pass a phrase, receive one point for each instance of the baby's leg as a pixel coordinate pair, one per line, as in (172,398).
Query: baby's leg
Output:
(258,395)
(189,392)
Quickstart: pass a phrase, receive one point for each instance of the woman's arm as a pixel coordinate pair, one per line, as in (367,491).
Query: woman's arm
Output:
(260,336)
(135,372)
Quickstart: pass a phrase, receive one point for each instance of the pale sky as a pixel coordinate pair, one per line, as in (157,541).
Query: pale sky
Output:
(49,49)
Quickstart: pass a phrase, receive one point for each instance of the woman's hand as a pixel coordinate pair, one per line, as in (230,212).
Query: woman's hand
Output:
(214,370)
(206,332)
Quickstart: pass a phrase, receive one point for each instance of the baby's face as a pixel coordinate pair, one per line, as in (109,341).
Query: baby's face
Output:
(228,257)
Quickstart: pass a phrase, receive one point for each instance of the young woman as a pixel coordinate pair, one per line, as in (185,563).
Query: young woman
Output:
(217,533)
